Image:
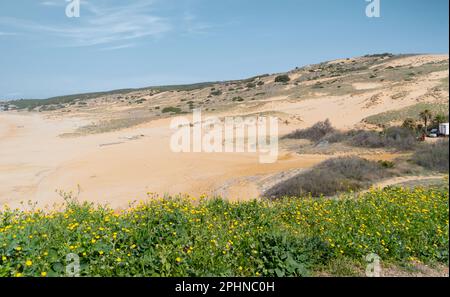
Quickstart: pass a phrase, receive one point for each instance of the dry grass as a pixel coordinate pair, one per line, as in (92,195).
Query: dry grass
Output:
(330,177)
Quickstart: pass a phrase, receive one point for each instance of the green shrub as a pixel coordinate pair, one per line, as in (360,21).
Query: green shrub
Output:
(285,255)
(386,164)
(216,93)
(171,109)
(282,78)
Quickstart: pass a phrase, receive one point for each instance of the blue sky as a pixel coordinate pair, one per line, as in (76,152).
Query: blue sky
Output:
(136,43)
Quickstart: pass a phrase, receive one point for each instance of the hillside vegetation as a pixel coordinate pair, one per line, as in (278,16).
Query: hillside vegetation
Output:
(330,177)
(328,78)
(411,112)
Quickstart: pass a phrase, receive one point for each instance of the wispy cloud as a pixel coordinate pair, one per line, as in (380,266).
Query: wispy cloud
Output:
(118,47)
(192,25)
(98,24)
(52,3)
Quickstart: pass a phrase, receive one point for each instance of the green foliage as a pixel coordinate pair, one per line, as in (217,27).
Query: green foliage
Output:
(386,164)
(216,93)
(286,255)
(426,116)
(202,237)
(171,109)
(439,119)
(282,78)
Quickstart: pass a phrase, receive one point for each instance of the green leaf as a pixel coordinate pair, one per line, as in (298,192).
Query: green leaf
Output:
(279,272)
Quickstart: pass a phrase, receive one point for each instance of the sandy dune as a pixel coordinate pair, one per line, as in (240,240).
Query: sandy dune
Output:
(110,168)
(417,60)
(118,167)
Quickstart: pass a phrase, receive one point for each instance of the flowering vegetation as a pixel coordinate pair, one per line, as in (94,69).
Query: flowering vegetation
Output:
(211,237)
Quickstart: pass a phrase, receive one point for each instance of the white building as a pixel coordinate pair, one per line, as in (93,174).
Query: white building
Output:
(444,129)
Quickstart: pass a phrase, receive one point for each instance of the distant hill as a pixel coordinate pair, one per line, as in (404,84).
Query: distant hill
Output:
(58,101)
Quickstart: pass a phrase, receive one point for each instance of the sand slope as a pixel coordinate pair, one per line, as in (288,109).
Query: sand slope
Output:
(118,167)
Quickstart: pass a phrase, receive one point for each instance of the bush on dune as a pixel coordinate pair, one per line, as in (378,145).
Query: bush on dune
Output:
(314,133)
(394,137)
(331,177)
(433,156)
(171,109)
(284,78)
(335,137)
(368,139)
(316,182)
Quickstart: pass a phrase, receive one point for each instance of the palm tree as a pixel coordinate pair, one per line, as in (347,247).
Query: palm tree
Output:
(439,119)
(426,116)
